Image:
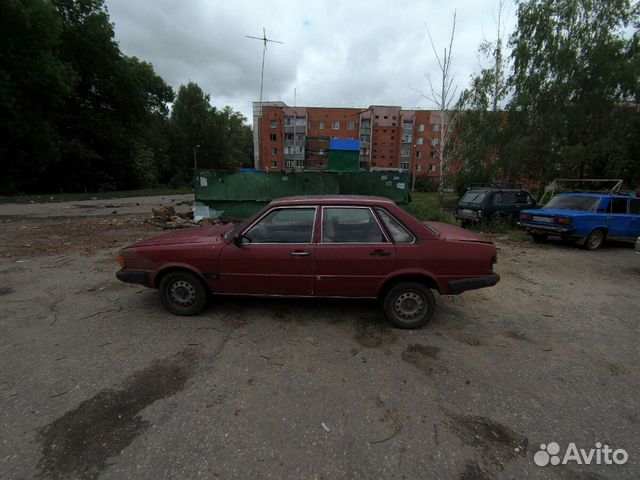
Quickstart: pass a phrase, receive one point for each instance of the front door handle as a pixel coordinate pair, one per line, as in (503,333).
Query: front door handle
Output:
(380,253)
(300,254)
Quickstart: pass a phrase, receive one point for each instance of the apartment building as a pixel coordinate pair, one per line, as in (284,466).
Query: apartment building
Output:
(297,138)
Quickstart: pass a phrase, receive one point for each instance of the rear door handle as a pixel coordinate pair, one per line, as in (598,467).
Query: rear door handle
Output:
(380,253)
(300,254)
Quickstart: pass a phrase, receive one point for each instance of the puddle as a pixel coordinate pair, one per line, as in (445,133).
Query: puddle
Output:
(421,356)
(79,443)
(373,333)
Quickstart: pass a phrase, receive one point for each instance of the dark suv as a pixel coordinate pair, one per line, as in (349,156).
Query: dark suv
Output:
(491,203)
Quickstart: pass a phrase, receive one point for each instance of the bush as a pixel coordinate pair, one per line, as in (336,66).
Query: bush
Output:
(425,183)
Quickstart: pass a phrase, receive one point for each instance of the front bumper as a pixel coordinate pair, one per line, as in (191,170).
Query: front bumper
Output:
(550,229)
(129,276)
(459,286)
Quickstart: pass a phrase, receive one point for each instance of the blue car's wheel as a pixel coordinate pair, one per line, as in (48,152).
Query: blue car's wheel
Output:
(595,239)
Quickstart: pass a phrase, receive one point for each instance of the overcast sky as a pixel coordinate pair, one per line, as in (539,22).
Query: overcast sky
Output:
(335,53)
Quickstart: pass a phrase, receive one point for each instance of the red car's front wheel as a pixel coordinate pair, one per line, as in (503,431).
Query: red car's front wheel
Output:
(183,293)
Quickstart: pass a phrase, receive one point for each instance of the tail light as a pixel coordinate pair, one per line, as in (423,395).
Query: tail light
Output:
(121,260)
(563,220)
(525,217)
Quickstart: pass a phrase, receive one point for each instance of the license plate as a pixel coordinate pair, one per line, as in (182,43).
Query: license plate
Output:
(466,211)
(542,219)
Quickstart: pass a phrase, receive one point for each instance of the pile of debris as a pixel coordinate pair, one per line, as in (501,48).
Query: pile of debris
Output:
(166,218)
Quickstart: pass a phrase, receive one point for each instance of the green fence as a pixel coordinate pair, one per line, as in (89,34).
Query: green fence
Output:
(239,195)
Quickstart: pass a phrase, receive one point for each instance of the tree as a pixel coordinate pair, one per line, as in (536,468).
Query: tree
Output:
(481,125)
(575,80)
(443,96)
(224,138)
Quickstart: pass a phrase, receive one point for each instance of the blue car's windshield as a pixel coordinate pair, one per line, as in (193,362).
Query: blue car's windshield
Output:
(587,204)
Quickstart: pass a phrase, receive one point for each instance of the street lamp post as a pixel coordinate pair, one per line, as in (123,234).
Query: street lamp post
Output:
(195,157)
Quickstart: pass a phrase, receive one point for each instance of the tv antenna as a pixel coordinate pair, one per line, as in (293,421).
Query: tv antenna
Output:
(265,40)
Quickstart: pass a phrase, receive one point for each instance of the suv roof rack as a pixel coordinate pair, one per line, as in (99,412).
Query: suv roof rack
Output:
(498,186)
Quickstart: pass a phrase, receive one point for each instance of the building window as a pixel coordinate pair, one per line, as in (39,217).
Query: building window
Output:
(405,166)
(435,127)
(320,125)
(433,154)
(335,125)
(434,141)
(288,136)
(273,124)
(274,150)
(421,127)
(418,168)
(321,151)
(432,167)
(299,163)
(273,137)
(385,117)
(418,154)
(420,140)
(288,163)
(288,121)
(351,126)
(274,164)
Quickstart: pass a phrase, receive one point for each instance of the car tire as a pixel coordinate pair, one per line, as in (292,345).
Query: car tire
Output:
(539,237)
(183,293)
(409,305)
(595,240)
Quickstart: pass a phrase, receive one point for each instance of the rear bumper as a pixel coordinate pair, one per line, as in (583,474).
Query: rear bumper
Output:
(549,229)
(129,276)
(459,286)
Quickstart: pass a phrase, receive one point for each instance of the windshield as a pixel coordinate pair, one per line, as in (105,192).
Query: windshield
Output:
(587,204)
(473,197)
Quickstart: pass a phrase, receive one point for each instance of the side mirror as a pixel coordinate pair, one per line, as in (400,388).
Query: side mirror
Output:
(238,240)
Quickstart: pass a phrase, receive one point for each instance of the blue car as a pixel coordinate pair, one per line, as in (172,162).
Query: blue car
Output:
(589,218)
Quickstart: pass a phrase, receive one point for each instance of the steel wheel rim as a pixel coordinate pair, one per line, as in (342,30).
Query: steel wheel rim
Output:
(182,293)
(409,305)
(596,239)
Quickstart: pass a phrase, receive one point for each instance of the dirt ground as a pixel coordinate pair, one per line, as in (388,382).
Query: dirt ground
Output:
(99,381)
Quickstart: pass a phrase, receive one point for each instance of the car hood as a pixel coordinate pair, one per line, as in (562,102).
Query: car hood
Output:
(456,234)
(187,235)
(556,212)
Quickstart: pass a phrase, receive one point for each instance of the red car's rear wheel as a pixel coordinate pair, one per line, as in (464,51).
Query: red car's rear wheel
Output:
(409,305)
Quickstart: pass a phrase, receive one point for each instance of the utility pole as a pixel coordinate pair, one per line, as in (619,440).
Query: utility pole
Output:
(265,40)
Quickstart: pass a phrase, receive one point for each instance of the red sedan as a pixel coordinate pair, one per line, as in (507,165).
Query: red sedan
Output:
(317,246)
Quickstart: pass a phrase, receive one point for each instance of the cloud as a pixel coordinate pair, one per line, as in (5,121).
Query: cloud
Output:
(334,53)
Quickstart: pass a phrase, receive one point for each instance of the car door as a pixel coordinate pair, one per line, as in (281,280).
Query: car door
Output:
(353,255)
(618,218)
(275,255)
(634,213)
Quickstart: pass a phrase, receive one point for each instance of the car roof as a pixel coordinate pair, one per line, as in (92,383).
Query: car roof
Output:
(331,200)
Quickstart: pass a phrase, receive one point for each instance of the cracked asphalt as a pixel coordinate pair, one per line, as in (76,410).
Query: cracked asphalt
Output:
(99,381)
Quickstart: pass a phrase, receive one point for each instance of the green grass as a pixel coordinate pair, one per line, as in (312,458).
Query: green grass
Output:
(425,207)
(66,197)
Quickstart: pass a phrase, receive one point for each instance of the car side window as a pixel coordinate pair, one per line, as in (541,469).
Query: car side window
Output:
(619,205)
(283,225)
(522,197)
(497,199)
(350,225)
(397,231)
(634,206)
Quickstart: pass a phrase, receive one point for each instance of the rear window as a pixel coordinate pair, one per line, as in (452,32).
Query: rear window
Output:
(473,197)
(587,204)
